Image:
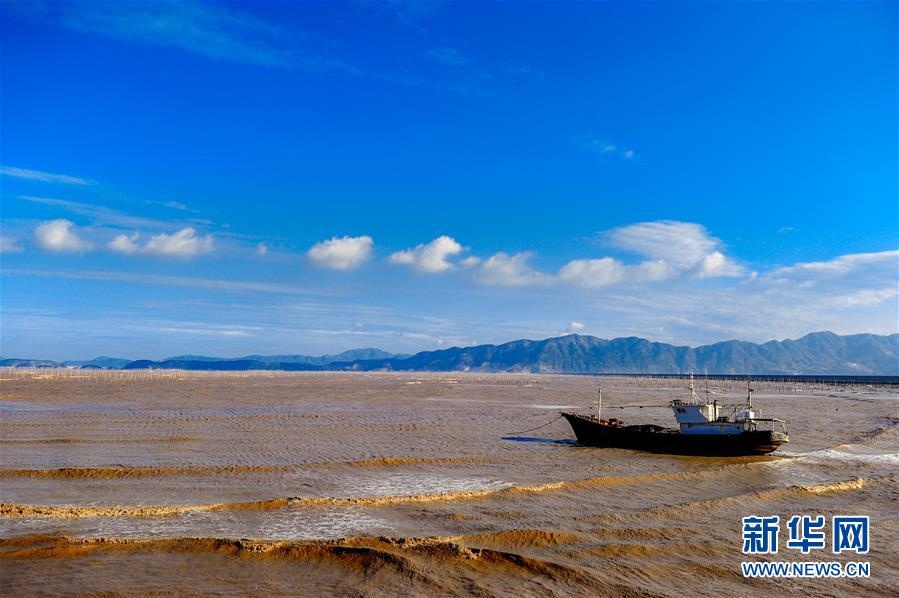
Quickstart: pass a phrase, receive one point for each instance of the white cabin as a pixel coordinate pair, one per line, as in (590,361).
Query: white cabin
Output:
(696,417)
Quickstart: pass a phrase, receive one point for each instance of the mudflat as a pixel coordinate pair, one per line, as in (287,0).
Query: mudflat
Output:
(371,483)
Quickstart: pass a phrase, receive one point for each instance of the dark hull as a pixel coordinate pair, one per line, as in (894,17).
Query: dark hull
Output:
(656,439)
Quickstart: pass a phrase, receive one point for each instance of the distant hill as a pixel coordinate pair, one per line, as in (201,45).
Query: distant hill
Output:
(28,363)
(351,355)
(294,363)
(103,361)
(819,353)
(202,362)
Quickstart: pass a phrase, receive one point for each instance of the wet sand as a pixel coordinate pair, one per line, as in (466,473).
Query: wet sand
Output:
(373,483)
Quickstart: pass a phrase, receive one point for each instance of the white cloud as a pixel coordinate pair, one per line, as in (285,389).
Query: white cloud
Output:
(674,248)
(126,244)
(592,273)
(471,261)
(341,253)
(429,257)
(57,235)
(503,269)
(716,264)
(44,177)
(651,271)
(574,326)
(184,243)
(10,245)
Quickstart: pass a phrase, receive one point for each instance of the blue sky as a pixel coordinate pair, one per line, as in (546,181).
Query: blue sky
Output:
(228,179)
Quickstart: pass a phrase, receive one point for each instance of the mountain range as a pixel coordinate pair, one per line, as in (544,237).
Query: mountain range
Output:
(819,353)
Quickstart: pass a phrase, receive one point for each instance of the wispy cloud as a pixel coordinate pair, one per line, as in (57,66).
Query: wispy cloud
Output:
(843,264)
(865,297)
(214,284)
(524,72)
(429,257)
(10,245)
(412,13)
(41,176)
(176,205)
(847,294)
(341,253)
(102,214)
(604,148)
(215,30)
(60,235)
(446,55)
(203,329)
(681,243)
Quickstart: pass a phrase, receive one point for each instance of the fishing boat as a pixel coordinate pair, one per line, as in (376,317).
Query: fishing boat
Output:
(705,428)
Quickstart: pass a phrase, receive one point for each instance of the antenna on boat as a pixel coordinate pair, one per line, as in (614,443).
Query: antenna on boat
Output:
(599,406)
(693,396)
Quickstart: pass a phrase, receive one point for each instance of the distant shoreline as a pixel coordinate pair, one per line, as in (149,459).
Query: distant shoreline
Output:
(99,373)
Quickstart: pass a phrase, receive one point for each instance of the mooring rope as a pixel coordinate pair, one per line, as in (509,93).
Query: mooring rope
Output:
(537,428)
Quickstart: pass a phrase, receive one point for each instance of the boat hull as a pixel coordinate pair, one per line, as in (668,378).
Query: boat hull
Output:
(656,439)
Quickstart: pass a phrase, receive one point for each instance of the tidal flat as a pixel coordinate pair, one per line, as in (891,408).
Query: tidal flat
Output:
(416,484)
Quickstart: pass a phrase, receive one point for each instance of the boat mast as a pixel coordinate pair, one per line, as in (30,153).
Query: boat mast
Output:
(707,399)
(693,396)
(749,388)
